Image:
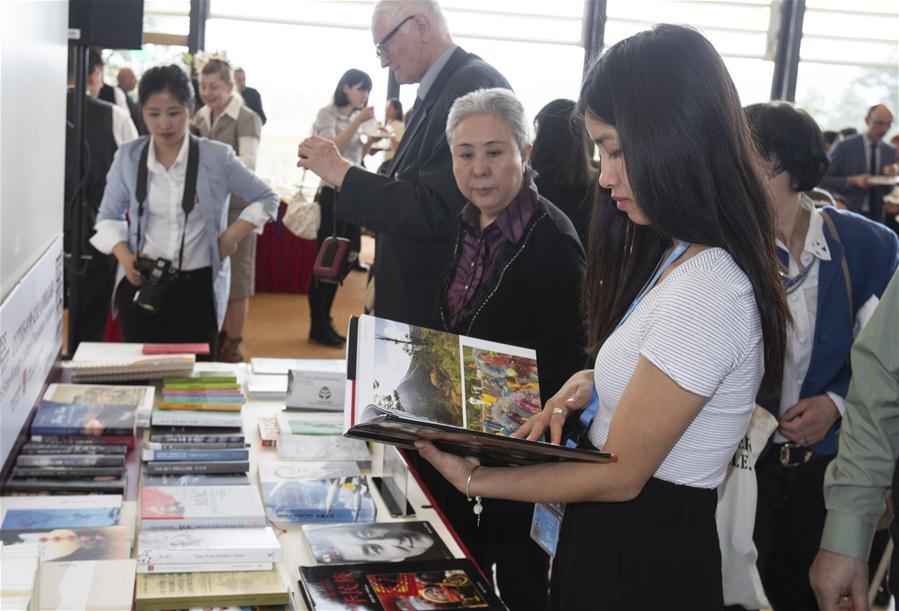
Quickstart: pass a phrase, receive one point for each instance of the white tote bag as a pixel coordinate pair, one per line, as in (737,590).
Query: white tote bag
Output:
(737,499)
(302,218)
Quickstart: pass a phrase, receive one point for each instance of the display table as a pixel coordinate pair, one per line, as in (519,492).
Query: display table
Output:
(295,550)
(283,261)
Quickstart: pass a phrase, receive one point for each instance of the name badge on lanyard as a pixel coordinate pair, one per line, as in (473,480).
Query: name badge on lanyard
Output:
(546,523)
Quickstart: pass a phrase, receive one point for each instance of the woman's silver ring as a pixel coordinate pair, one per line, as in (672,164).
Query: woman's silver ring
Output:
(560,410)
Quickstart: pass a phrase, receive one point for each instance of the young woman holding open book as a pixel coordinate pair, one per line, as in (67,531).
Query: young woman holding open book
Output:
(174,189)
(687,318)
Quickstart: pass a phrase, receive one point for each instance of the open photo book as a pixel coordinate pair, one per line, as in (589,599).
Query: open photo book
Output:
(465,395)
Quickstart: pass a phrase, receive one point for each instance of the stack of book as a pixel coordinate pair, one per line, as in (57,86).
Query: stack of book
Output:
(208,442)
(255,589)
(204,504)
(203,392)
(80,437)
(110,362)
(317,437)
(207,550)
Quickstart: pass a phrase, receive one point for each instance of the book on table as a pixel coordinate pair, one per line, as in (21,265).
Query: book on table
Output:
(190,590)
(207,548)
(200,507)
(330,491)
(394,586)
(96,585)
(114,361)
(93,543)
(141,397)
(75,418)
(374,542)
(49,512)
(466,395)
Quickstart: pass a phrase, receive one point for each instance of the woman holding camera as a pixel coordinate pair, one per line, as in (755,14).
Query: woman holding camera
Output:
(175,189)
(686,318)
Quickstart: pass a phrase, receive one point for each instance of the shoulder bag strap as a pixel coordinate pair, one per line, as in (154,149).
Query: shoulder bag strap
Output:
(847,279)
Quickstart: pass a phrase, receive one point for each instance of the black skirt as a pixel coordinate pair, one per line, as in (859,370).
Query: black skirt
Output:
(658,551)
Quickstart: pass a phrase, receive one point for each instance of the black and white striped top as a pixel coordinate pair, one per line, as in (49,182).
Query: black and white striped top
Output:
(701,327)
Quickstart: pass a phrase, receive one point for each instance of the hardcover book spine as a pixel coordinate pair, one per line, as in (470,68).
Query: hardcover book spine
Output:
(195,455)
(156,468)
(70,460)
(58,448)
(203,568)
(125,440)
(78,430)
(155,445)
(187,438)
(184,419)
(63,472)
(213,522)
(207,556)
(205,407)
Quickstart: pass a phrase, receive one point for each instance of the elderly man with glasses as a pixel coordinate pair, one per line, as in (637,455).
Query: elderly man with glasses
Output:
(414,205)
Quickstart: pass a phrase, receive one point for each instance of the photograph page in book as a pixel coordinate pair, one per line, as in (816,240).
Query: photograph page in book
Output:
(466,395)
(391,586)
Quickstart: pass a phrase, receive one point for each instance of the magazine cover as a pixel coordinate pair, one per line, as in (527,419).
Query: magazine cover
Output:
(77,418)
(316,492)
(376,542)
(433,584)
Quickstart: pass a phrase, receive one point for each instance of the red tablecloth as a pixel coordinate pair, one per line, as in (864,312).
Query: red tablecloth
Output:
(283,261)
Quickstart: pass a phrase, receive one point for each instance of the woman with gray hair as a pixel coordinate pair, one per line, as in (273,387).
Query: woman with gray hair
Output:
(515,278)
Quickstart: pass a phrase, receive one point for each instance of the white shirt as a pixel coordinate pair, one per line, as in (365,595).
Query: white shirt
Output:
(162,223)
(248,146)
(123,129)
(700,326)
(803,304)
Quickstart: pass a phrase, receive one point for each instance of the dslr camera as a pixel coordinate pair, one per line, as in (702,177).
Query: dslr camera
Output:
(158,275)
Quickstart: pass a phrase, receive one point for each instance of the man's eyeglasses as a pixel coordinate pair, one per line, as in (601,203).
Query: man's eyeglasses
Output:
(381,47)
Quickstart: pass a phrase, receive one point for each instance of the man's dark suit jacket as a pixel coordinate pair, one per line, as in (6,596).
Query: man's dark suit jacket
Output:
(848,159)
(254,101)
(415,208)
(107,94)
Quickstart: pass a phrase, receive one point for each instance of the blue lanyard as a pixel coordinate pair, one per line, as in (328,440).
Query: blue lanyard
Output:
(589,413)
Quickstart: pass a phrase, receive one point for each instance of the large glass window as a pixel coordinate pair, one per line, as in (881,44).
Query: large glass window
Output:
(535,45)
(849,58)
(743,32)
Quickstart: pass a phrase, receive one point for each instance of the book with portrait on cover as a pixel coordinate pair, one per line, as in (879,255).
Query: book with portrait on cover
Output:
(464,394)
(374,542)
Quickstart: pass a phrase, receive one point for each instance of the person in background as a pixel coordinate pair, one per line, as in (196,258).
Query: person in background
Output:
(830,138)
(836,266)
(192,234)
(128,82)
(106,128)
(686,317)
(414,205)
(562,157)
(393,121)
(858,479)
(250,96)
(225,118)
(515,278)
(858,162)
(847,131)
(340,123)
(122,125)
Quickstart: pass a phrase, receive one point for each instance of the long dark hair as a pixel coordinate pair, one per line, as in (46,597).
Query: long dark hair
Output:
(562,149)
(351,77)
(693,170)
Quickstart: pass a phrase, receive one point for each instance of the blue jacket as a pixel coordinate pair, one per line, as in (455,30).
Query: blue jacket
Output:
(871,251)
(220,174)
(848,159)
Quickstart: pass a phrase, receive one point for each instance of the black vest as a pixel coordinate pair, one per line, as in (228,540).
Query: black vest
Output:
(98,150)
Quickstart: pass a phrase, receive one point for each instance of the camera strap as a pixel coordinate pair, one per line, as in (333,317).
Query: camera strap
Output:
(188,198)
